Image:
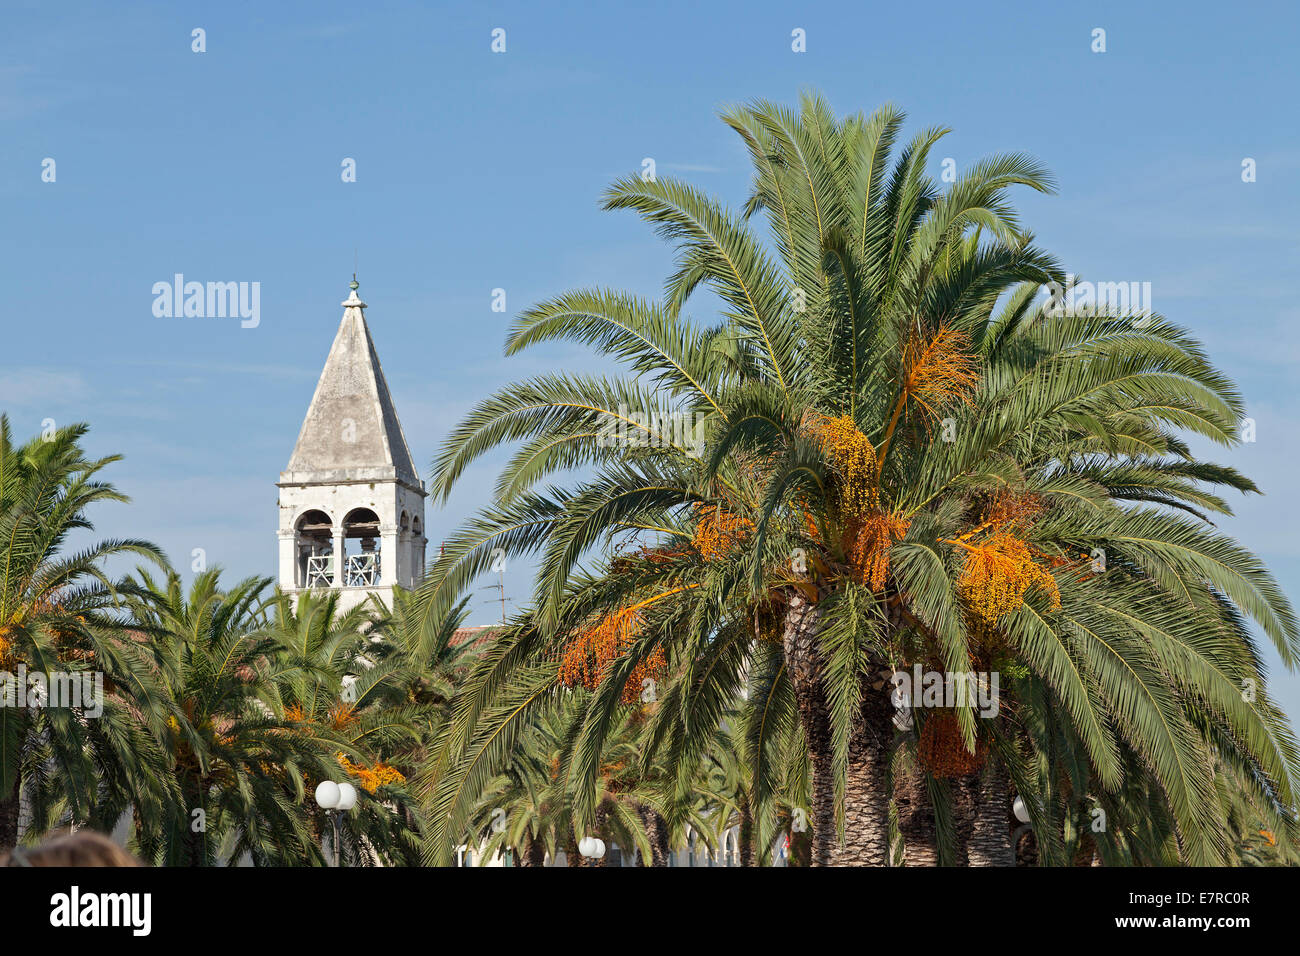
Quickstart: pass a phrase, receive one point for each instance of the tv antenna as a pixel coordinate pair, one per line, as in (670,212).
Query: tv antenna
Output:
(501,590)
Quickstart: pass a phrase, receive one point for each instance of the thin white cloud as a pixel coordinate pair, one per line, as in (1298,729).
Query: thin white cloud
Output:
(694,168)
(36,387)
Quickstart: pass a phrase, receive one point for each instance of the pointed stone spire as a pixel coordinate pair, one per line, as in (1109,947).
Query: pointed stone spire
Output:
(351,432)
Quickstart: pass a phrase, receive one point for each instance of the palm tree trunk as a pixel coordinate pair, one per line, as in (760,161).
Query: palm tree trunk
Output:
(916,820)
(571,855)
(656,831)
(990,842)
(1087,855)
(746,835)
(196,837)
(804,665)
(534,853)
(800,849)
(979,804)
(1026,849)
(9,808)
(866,785)
(866,794)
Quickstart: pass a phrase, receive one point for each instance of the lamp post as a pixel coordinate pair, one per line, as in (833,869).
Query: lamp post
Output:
(1021,813)
(336,799)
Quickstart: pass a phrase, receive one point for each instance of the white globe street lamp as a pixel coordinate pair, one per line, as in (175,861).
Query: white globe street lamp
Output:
(327,795)
(1020,810)
(347,796)
(336,799)
(592,848)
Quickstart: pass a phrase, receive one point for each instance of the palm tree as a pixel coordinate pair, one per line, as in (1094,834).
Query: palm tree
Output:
(728,785)
(528,808)
(431,662)
(339,679)
(907,458)
(518,810)
(238,765)
(57,617)
(1077,818)
(1249,821)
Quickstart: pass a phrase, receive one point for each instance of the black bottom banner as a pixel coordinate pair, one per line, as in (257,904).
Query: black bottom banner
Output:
(139,907)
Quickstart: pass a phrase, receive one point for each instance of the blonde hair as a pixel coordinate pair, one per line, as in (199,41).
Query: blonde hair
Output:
(83,848)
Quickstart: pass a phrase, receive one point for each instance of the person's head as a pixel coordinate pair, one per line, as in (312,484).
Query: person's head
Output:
(83,848)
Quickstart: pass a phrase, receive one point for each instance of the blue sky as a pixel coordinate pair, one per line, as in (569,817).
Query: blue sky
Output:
(478,171)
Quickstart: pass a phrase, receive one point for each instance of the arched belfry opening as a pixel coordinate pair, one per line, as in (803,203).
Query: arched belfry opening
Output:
(314,550)
(418,542)
(361,543)
(351,500)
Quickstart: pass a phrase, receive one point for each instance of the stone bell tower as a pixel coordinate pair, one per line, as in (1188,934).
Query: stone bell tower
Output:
(351,501)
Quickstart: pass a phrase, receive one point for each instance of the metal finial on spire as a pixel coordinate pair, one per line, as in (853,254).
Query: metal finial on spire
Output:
(353,301)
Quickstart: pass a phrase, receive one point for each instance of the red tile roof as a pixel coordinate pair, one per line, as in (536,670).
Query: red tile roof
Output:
(475,636)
